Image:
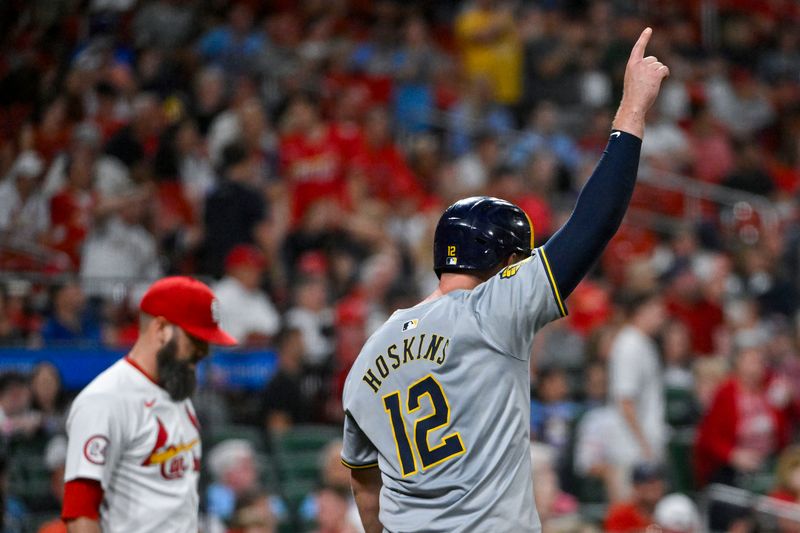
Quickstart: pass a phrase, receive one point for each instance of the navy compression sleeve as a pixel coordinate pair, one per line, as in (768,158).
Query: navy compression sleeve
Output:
(598,213)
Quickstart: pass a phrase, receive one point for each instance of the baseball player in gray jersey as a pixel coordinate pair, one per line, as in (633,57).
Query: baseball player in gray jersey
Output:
(437,404)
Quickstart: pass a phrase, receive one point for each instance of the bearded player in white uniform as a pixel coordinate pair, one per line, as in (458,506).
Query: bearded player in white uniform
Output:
(133,458)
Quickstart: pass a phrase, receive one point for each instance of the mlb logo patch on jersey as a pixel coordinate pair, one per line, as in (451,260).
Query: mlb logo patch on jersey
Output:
(411,324)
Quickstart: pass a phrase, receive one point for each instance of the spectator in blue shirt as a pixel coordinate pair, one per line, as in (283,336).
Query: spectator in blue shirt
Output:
(552,412)
(69,321)
(234,47)
(543,133)
(476,112)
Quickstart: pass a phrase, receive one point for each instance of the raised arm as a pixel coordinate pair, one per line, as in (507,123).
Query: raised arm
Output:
(604,199)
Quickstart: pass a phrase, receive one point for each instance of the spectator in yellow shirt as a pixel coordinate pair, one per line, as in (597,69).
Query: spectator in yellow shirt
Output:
(491,47)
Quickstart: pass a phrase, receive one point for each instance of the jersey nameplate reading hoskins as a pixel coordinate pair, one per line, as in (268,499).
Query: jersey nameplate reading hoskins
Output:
(432,348)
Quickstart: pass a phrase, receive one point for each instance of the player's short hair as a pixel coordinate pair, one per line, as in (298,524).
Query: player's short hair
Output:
(144,320)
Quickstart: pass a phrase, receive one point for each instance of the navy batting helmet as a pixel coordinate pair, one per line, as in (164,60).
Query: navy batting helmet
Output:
(476,234)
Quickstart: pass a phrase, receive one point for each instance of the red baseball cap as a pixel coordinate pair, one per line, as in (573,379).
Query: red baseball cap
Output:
(245,255)
(189,304)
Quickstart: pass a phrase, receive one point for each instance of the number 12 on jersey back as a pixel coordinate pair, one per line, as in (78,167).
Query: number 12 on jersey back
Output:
(449,446)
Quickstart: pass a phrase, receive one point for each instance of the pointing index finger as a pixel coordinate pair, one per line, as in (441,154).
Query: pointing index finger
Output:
(637,53)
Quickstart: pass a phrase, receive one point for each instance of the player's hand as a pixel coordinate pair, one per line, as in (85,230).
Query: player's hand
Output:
(643,77)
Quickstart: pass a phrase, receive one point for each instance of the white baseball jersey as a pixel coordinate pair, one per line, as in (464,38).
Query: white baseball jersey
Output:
(144,448)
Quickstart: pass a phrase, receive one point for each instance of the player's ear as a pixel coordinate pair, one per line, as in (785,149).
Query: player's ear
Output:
(163,330)
(514,258)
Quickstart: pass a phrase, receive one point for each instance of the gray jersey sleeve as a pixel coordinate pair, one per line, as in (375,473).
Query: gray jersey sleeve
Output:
(513,305)
(357,450)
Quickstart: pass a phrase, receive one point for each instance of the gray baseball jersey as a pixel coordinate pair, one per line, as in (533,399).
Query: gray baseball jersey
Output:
(439,400)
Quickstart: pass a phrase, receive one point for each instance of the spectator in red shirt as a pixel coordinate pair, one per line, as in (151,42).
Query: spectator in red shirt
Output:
(312,156)
(379,171)
(72,209)
(710,146)
(687,302)
(636,515)
(741,430)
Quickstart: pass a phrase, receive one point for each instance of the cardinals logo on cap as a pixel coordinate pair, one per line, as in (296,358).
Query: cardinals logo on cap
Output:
(215,313)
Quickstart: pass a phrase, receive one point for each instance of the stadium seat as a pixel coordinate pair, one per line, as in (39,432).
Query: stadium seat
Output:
(29,478)
(268,473)
(679,460)
(249,433)
(305,438)
(297,455)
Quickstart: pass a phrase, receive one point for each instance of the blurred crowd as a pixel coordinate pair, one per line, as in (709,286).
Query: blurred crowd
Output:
(297,155)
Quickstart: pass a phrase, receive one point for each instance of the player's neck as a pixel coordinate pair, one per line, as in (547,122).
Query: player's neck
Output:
(145,360)
(453,282)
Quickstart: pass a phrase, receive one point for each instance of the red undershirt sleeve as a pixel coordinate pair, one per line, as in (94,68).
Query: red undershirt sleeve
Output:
(82,498)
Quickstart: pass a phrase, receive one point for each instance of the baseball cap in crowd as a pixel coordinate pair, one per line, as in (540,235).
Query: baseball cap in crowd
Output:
(28,165)
(87,134)
(313,264)
(645,472)
(190,305)
(245,255)
(677,513)
(351,311)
